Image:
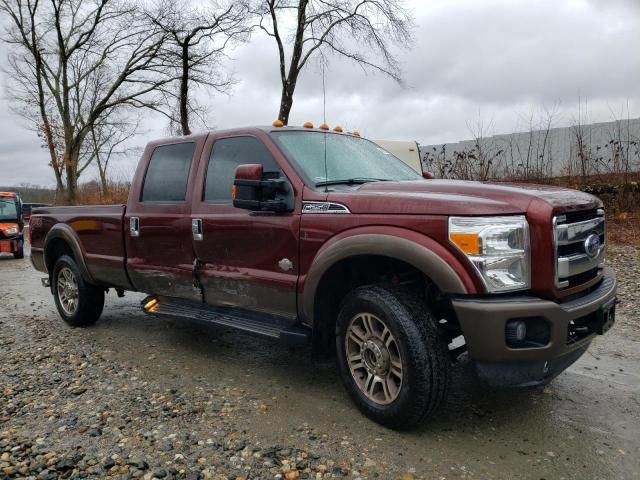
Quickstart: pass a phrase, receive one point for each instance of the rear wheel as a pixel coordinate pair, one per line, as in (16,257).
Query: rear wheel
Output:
(393,362)
(20,252)
(79,303)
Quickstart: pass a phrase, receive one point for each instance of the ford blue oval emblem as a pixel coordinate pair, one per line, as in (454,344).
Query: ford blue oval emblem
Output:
(592,245)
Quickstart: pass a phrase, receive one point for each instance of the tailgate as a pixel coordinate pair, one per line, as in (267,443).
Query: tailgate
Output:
(97,232)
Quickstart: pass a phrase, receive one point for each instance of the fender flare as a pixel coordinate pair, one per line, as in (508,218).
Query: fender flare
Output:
(416,249)
(70,237)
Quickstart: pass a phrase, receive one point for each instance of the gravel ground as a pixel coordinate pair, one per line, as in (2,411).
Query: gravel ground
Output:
(138,397)
(626,263)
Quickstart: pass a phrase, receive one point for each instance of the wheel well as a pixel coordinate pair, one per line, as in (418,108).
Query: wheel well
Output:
(354,272)
(55,249)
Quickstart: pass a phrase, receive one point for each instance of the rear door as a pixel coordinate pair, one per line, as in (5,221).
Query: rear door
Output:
(158,227)
(247,259)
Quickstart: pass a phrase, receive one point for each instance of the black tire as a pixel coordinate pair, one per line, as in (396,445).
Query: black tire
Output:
(19,254)
(423,353)
(90,299)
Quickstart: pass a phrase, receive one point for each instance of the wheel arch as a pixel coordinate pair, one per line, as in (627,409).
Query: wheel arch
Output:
(60,240)
(398,248)
(407,246)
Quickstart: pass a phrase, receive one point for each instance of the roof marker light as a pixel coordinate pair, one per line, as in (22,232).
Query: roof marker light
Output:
(278,123)
(323,126)
(338,129)
(307,125)
(355,133)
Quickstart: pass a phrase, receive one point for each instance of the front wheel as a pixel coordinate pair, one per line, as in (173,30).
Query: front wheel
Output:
(393,362)
(78,303)
(19,253)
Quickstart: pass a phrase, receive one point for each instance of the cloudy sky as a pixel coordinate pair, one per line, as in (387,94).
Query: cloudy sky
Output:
(498,62)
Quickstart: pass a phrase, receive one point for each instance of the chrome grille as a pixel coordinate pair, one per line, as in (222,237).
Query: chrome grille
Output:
(579,245)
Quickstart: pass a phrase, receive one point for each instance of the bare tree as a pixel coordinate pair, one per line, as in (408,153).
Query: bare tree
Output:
(75,61)
(106,141)
(484,160)
(199,37)
(581,131)
(362,31)
(622,144)
(534,162)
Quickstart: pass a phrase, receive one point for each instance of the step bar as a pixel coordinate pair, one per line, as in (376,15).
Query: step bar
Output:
(264,325)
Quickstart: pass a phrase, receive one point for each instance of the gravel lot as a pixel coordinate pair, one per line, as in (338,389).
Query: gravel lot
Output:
(138,397)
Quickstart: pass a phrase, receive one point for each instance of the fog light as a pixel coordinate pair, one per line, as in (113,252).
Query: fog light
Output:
(528,332)
(516,331)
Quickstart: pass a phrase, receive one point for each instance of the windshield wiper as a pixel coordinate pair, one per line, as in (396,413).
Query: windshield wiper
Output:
(350,181)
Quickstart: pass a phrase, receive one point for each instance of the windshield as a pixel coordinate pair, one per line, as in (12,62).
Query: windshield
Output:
(350,159)
(8,210)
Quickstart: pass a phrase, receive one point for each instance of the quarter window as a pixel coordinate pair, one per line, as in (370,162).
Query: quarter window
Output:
(168,173)
(226,155)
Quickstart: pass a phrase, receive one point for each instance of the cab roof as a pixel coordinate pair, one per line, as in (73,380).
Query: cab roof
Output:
(248,130)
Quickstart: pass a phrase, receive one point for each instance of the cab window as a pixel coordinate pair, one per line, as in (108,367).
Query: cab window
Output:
(226,155)
(168,173)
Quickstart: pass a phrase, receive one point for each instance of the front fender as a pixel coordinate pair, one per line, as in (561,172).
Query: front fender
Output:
(64,232)
(416,249)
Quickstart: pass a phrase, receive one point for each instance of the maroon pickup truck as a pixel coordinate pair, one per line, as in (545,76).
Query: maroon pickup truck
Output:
(322,238)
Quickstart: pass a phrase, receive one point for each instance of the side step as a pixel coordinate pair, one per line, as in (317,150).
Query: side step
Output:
(265,325)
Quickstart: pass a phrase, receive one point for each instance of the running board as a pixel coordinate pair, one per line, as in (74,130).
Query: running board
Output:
(265,325)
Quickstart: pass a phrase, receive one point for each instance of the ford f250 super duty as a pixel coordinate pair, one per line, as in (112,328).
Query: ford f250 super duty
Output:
(322,238)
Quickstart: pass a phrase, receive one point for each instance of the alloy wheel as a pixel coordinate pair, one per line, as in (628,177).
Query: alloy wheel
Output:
(373,357)
(67,287)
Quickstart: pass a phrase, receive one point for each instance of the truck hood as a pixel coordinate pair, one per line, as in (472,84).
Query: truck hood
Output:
(456,197)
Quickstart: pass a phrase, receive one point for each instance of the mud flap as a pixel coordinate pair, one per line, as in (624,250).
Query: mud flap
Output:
(197,284)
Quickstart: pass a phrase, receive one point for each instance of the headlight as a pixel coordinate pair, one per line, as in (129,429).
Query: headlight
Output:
(498,248)
(11,231)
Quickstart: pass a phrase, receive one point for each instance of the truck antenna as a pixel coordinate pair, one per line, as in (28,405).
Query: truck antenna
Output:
(324,120)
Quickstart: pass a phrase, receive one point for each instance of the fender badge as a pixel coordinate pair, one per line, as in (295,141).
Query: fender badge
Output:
(285,264)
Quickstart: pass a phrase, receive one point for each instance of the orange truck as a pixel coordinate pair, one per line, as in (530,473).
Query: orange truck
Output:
(11,224)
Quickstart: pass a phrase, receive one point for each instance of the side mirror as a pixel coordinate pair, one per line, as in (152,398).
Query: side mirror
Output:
(428,175)
(251,191)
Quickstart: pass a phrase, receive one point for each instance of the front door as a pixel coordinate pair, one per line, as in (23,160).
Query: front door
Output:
(248,260)
(158,228)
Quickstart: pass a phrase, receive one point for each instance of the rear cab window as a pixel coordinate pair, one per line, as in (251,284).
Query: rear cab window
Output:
(226,155)
(168,173)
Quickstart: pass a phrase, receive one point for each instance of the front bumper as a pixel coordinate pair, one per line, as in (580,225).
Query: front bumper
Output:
(483,323)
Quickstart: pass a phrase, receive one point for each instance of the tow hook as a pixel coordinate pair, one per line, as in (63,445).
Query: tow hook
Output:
(46,282)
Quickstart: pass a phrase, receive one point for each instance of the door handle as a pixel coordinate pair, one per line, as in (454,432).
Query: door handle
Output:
(134,226)
(196,228)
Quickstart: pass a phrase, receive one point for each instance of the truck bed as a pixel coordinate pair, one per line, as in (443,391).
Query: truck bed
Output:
(98,231)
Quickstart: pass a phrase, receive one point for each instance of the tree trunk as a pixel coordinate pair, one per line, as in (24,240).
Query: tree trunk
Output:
(71,194)
(286,102)
(184,91)
(59,184)
(106,194)
(286,98)
(71,172)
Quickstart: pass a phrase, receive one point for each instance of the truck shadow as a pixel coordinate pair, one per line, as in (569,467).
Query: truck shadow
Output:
(184,352)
